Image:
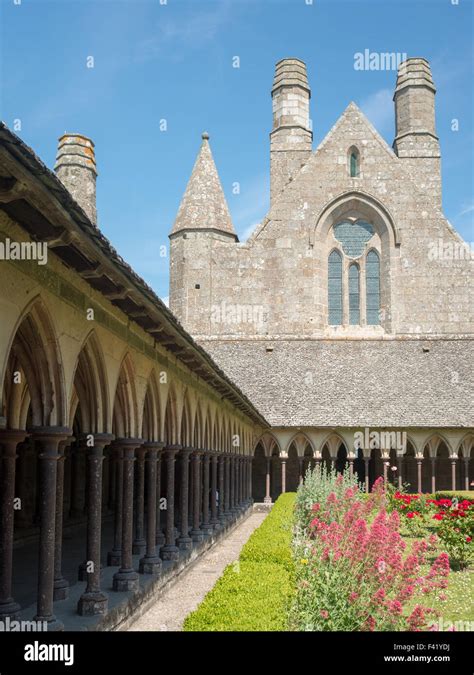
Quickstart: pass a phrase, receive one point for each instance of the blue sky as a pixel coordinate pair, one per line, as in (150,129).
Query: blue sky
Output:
(174,61)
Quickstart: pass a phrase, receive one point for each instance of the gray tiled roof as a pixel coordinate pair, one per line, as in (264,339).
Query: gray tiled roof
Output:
(341,383)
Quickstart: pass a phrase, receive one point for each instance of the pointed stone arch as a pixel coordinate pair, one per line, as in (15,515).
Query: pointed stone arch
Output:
(33,373)
(151,424)
(89,397)
(125,409)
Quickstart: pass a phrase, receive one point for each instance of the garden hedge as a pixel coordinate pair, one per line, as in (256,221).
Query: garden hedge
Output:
(254,593)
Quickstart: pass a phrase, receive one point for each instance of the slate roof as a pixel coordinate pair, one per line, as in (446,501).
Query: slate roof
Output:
(204,205)
(347,383)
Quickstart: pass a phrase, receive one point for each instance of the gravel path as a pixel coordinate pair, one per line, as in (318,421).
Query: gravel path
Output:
(171,608)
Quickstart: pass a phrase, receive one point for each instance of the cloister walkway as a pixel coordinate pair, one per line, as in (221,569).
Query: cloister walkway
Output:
(168,612)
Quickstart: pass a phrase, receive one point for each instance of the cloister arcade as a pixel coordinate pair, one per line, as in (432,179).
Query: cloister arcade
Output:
(429,460)
(95,434)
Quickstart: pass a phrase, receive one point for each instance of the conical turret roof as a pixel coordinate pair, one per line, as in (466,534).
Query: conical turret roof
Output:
(204,205)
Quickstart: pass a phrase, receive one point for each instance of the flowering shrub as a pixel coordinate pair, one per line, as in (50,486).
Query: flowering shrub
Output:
(353,572)
(456,529)
(318,484)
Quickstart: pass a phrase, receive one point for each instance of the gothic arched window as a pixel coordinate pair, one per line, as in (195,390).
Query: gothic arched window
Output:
(372,275)
(354,162)
(335,288)
(354,295)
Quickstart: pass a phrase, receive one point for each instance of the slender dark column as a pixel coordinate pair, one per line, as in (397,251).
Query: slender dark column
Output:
(93,601)
(184,540)
(433,475)
(114,556)
(48,439)
(112,482)
(227,483)
(61,585)
(9,440)
(139,543)
(232,485)
(221,481)
(151,562)
(367,482)
(196,533)
(400,471)
(268,497)
(206,525)
(214,518)
(466,473)
(126,579)
(170,551)
(251,461)
(160,536)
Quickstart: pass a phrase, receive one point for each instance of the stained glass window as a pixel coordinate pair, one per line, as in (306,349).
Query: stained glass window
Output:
(354,295)
(353,236)
(335,288)
(372,275)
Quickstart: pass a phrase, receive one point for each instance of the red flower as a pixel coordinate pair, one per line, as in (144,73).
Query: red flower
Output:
(438,516)
(410,515)
(468,539)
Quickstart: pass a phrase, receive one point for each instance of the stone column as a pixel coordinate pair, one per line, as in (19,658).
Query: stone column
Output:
(385,470)
(206,525)
(78,456)
(61,585)
(93,601)
(453,473)
(301,470)
(227,511)
(170,551)
(184,541)
(466,473)
(160,536)
(251,459)
(196,533)
(433,475)
(214,518)
(114,556)
(139,542)
(283,474)
(400,471)
(112,481)
(48,439)
(351,466)
(242,482)
(126,578)
(268,499)
(221,504)
(24,465)
(9,439)
(418,468)
(367,479)
(151,562)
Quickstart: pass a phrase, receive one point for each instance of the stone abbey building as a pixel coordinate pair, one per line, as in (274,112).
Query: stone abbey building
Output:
(132,436)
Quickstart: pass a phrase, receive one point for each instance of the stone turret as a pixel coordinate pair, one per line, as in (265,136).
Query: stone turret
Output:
(416,140)
(203,224)
(76,169)
(291,137)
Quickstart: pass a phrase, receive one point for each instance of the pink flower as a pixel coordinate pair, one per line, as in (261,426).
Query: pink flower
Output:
(324,614)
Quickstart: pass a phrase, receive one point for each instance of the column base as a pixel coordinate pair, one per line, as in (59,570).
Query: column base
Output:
(185,543)
(139,547)
(9,609)
(216,524)
(61,589)
(53,624)
(197,535)
(151,565)
(126,580)
(169,552)
(160,538)
(114,558)
(91,604)
(267,500)
(207,528)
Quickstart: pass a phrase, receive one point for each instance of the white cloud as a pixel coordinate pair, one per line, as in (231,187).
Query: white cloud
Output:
(379,109)
(467,209)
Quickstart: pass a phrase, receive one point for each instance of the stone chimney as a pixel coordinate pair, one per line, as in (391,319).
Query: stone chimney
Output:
(76,169)
(291,137)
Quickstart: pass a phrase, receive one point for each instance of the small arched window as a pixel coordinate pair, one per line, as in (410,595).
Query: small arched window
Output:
(372,275)
(335,288)
(354,295)
(354,163)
